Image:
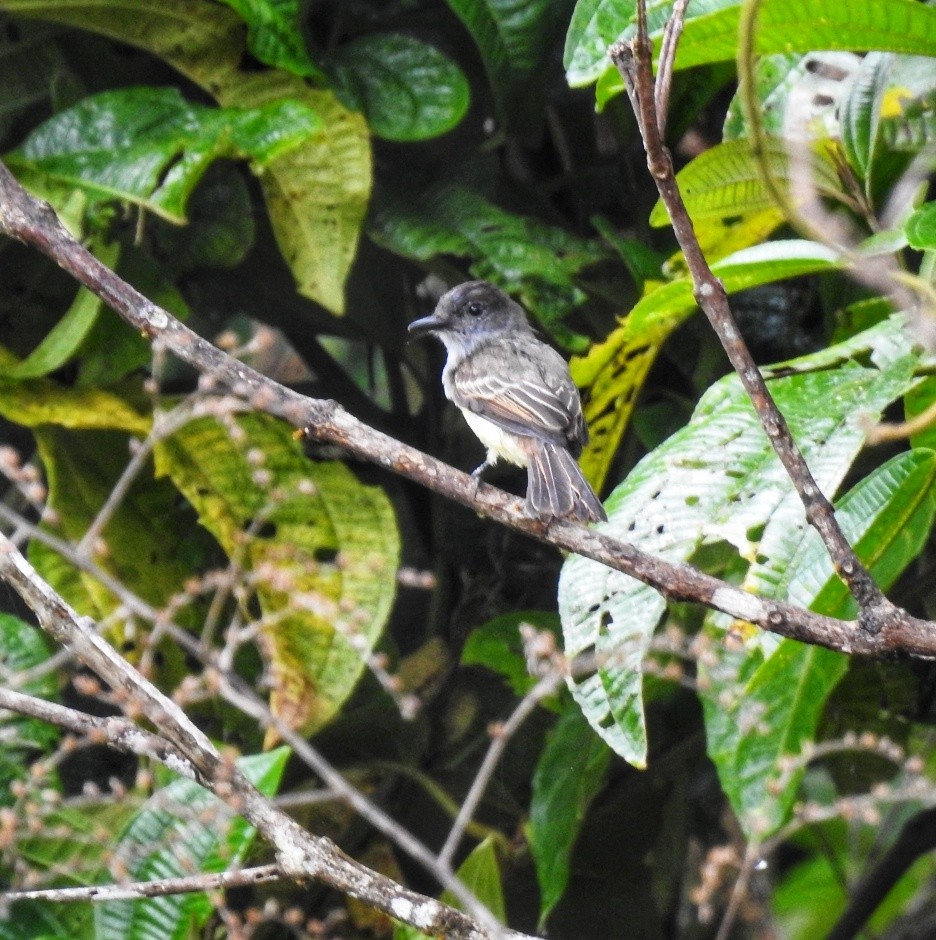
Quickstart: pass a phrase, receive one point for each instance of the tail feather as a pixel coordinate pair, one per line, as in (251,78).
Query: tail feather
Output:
(556,488)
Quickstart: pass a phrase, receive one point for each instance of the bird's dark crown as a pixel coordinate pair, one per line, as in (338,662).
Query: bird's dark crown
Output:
(472,307)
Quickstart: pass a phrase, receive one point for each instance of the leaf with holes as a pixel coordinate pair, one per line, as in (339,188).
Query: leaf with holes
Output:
(763,702)
(716,481)
(323,555)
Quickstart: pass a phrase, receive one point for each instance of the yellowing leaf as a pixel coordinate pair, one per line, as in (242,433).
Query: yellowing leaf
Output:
(321,548)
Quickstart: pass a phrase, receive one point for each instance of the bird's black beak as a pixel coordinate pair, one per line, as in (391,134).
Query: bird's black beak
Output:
(425,325)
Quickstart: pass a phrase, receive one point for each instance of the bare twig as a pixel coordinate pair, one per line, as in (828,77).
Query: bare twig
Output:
(134,891)
(299,854)
(634,61)
(119,733)
(880,630)
(499,741)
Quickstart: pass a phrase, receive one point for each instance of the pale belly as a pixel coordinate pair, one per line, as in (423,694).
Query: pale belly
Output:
(496,440)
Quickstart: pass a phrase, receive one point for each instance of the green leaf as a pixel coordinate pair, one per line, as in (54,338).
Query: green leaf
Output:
(861,112)
(274,35)
(204,41)
(764,702)
(150,147)
(34,402)
(63,340)
(21,647)
(480,874)
(716,480)
(535,261)
(152,549)
(711,31)
(512,38)
(317,194)
(775,77)
(724,181)
(498,646)
(407,88)
(569,775)
(180,831)
(613,372)
(324,555)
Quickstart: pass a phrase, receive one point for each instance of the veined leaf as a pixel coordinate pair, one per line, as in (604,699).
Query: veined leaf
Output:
(22,647)
(511,37)
(274,35)
(323,557)
(716,480)
(724,181)
(613,372)
(150,147)
(317,194)
(762,703)
(523,255)
(204,41)
(407,88)
(182,830)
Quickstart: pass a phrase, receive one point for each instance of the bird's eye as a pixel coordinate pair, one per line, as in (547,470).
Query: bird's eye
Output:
(475,308)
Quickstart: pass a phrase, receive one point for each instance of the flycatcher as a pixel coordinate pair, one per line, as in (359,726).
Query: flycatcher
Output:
(516,395)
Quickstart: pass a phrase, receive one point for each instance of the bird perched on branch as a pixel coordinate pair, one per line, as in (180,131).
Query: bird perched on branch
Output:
(516,395)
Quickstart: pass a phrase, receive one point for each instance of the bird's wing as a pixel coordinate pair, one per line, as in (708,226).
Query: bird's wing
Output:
(520,399)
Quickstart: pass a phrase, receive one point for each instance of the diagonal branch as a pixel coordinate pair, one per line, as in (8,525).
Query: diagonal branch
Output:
(880,630)
(635,63)
(299,854)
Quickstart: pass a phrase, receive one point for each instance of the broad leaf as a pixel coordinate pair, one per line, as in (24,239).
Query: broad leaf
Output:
(711,31)
(921,227)
(180,831)
(512,38)
(613,372)
(407,88)
(762,703)
(724,181)
(717,480)
(150,147)
(317,194)
(323,556)
(536,261)
(570,773)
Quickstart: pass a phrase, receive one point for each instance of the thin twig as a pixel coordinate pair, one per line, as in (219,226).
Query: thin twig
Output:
(634,62)
(664,80)
(300,854)
(134,891)
(499,741)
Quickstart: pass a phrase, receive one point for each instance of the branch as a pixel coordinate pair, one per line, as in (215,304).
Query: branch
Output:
(119,733)
(880,630)
(299,854)
(190,884)
(635,63)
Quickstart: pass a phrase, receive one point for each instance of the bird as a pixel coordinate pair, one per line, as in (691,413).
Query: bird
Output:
(517,396)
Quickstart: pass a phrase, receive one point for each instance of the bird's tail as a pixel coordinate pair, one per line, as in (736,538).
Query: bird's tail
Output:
(556,488)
